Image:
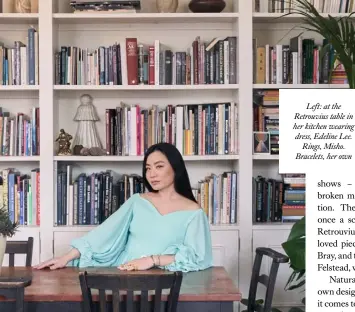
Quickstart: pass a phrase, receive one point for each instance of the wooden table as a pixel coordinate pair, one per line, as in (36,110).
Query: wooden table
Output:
(211,290)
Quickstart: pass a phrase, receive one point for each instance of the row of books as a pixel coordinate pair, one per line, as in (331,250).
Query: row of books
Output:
(89,199)
(196,129)
(19,65)
(294,206)
(133,63)
(322,6)
(277,200)
(20,195)
(297,62)
(217,195)
(104,6)
(81,66)
(20,134)
(266,116)
(203,63)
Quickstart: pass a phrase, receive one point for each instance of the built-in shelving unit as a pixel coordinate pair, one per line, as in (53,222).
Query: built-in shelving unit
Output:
(140,158)
(233,244)
(145,87)
(300,86)
(156,18)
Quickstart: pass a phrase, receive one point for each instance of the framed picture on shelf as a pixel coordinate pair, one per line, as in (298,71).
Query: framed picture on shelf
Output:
(261,143)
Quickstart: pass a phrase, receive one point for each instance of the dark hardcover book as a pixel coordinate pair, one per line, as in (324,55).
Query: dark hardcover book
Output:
(285,64)
(31,56)
(63,65)
(178,68)
(140,64)
(81,202)
(168,67)
(96,200)
(112,131)
(183,68)
(232,60)
(221,62)
(88,200)
(101,198)
(114,65)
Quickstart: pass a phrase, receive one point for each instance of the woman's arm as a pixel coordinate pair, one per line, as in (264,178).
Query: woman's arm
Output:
(59,262)
(195,252)
(162,260)
(148,262)
(101,246)
(72,255)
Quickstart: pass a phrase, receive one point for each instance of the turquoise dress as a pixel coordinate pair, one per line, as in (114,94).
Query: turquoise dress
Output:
(137,229)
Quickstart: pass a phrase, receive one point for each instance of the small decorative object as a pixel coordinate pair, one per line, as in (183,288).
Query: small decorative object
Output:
(261,143)
(7,229)
(77,149)
(86,134)
(84,151)
(64,143)
(93,151)
(22,6)
(207,6)
(167,6)
(97,151)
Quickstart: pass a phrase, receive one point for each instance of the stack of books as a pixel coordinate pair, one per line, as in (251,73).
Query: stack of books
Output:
(105,6)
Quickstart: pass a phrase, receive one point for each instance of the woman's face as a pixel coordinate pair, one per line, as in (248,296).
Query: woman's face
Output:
(159,172)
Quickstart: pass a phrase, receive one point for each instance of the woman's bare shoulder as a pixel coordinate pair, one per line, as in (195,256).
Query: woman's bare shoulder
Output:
(190,204)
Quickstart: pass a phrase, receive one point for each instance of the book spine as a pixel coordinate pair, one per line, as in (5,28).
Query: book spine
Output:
(132,61)
(31,57)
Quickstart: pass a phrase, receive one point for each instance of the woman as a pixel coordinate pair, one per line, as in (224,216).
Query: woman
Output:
(162,228)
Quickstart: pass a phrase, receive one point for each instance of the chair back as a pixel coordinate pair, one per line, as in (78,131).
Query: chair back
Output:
(19,247)
(123,284)
(267,280)
(13,287)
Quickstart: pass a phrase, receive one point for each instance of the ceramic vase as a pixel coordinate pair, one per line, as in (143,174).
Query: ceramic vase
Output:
(167,6)
(34,6)
(22,6)
(207,6)
(2,248)
(8,6)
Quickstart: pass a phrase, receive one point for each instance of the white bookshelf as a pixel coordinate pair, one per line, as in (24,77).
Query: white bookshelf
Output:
(19,88)
(292,18)
(300,86)
(145,87)
(140,158)
(233,245)
(157,18)
(4,159)
(19,18)
(266,157)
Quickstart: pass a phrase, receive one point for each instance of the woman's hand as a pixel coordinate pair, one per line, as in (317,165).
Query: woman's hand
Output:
(137,264)
(53,264)
(59,262)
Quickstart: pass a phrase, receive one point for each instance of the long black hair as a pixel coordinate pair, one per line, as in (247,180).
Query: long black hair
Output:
(181,181)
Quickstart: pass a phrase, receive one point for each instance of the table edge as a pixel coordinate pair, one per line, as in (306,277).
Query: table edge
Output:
(183,298)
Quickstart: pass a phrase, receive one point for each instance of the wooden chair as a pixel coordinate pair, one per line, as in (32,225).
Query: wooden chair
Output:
(130,283)
(19,247)
(267,280)
(13,287)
